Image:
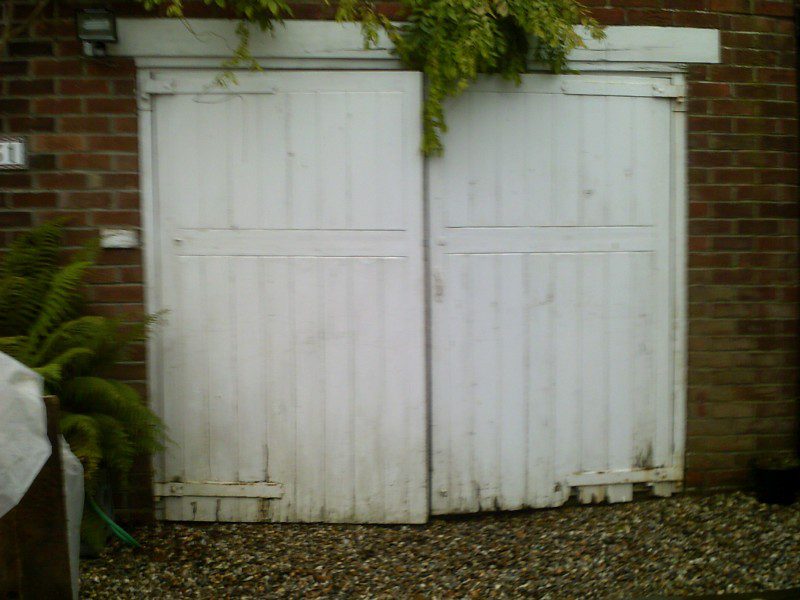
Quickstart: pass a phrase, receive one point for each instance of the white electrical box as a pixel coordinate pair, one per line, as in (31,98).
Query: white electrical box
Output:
(119,238)
(13,152)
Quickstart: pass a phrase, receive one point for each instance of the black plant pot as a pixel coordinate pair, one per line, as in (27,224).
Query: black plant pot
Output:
(776,484)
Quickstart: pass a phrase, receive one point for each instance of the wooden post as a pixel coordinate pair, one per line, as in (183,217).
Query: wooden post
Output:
(34,552)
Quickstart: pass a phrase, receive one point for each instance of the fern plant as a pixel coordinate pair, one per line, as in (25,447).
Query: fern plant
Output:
(43,325)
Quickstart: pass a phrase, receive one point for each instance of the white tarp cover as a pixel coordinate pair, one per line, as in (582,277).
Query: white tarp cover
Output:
(24,447)
(73,491)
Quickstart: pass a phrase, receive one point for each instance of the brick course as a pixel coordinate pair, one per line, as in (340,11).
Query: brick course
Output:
(80,116)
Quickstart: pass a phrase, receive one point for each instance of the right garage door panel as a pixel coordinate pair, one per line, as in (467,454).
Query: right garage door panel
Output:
(552,293)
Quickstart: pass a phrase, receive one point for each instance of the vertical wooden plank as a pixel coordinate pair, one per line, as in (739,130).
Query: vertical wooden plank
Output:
(596,145)
(678,269)
(541,164)
(541,384)
(176,373)
(251,391)
(512,430)
(217,138)
(459,407)
(621,352)
(339,374)
(281,373)
(451,195)
(395,410)
(643,180)
(389,145)
(365,160)
(302,160)
(643,384)
(567,334)
(619,159)
(246,210)
(483,377)
(310,394)
(193,409)
(484,159)
(332,161)
(369,386)
(250,350)
(566,147)
(222,377)
(415,357)
(513,160)
(174,124)
(447,386)
(594,390)
(273,169)
(663,272)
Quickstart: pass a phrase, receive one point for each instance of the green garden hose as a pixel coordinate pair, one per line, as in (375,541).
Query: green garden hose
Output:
(118,531)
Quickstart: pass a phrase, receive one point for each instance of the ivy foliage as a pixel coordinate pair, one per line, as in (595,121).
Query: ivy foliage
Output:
(450,41)
(43,325)
(453,41)
(264,13)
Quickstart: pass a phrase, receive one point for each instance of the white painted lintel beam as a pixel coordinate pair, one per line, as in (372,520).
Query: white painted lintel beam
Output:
(159,38)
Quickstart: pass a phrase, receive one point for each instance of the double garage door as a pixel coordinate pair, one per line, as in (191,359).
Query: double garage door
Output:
(359,334)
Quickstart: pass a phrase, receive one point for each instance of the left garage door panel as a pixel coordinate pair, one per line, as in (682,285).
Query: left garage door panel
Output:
(289,238)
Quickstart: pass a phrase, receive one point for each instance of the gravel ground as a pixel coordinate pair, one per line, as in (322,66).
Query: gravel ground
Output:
(684,545)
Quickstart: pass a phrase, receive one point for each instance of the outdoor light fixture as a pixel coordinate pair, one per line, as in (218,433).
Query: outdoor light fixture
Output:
(96,27)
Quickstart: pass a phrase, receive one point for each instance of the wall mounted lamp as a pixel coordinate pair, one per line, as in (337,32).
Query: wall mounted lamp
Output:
(96,27)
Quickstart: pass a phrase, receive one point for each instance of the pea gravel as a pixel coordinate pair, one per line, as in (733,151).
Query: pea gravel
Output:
(678,546)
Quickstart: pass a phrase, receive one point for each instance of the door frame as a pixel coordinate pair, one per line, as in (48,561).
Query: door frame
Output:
(162,45)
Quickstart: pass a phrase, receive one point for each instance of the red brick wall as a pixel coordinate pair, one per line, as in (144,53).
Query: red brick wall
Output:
(80,116)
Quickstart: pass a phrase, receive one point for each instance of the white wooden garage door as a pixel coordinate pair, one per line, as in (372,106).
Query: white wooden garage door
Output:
(288,243)
(289,256)
(552,295)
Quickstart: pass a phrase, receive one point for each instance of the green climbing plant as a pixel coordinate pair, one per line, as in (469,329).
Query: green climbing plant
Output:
(450,41)
(453,41)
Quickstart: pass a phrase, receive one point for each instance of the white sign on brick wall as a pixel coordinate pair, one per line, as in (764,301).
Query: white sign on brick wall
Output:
(13,153)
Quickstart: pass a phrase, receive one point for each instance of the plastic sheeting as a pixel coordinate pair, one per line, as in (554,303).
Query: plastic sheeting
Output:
(73,491)
(24,447)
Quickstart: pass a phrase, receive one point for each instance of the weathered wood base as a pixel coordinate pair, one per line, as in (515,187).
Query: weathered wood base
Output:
(34,553)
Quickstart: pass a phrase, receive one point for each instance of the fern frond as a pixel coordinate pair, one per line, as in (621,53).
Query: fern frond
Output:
(118,449)
(83,435)
(98,395)
(128,331)
(88,332)
(12,345)
(55,370)
(51,374)
(20,300)
(147,429)
(59,304)
(34,252)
